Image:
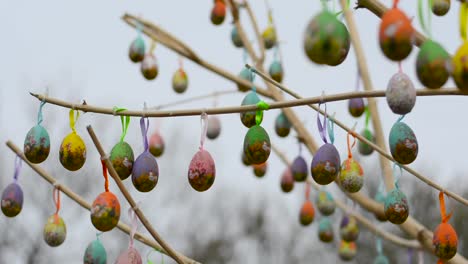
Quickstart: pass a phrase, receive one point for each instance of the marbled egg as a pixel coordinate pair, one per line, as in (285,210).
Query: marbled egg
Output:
(432,65)
(349,229)
(381,259)
(149,67)
(306,216)
(325,230)
(299,169)
(347,250)
(156,144)
(55,231)
(269,37)
(396,207)
(380,198)
(260,169)
(105,211)
(460,67)
(440,7)
(403,143)
(235,38)
(282,125)
(214,127)
(179,81)
(257,146)
(364,148)
(445,241)
(137,50)
(400,94)
(122,159)
(12,200)
(202,171)
(356,106)
(287,180)
(245,74)
(145,172)
(129,256)
(325,164)
(396,35)
(218,13)
(276,71)
(325,203)
(37,144)
(245,160)
(352,176)
(95,253)
(72,152)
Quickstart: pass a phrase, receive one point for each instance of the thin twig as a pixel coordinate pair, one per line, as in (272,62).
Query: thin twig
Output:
(258,34)
(193,99)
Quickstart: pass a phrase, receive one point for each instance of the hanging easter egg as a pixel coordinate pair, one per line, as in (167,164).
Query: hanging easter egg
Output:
(352,176)
(214,127)
(105,211)
(245,160)
(137,50)
(149,67)
(95,253)
(179,81)
(396,35)
(349,229)
(145,172)
(347,250)
(325,203)
(37,144)
(202,171)
(260,169)
(396,207)
(381,259)
(325,164)
(326,40)
(287,180)
(122,159)
(306,216)
(245,74)
(269,37)
(299,169)
(129,256)
(282,125)
(276,71)
(257,146)
(236,40)
(72,152)
(156,144)
(55,231)
(363,147)
(356,106)
(325,230)
(440,7)
(432,65)
(380,198)
(445,241)
(460,67)
(400,94)
(403,143)
(218,13)
(12,200)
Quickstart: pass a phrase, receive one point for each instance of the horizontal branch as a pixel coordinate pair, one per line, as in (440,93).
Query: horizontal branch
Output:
(193,99)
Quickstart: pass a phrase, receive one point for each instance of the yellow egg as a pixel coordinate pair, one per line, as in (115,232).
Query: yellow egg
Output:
(460,67)
(72,152)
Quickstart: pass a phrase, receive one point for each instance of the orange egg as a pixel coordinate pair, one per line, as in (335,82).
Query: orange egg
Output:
(396,35)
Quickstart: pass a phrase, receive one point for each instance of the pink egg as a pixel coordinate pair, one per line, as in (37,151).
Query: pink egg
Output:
(202,171)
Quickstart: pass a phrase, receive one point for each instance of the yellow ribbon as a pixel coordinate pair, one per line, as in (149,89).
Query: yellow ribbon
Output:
(73,119)
(463,20)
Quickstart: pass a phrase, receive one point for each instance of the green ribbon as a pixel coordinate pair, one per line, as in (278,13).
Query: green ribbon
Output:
(125,120)
(261,106)
(425,26)
(367,117)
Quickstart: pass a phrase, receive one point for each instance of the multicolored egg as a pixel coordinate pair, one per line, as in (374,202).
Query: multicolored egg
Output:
(269,37)
(349,229)
(381,259)
(325,230)
(460,67)
(363,147)
(276,71)
(400,94)
(137,50)
(180,81)
(122,159)
(347,250)
(257,146)
(72,152)
(325,164)
(440,7)
(445,241)
(218,13)
(396,206)
(236,40)
(149,67)
(352,176)
(145,172)
(156,144)
(95,253)
(432,65)
(306,216)
(260,169)
(214,127)
(55,231)
(105,212)
(380,198)
(202,171)
(299,169)
(287,181)
(356,106)
(403,143)
(396,35)
(282,125)
(325,203)
(129,256)
(37,144)
(245,160)
(245,74)
(12,200)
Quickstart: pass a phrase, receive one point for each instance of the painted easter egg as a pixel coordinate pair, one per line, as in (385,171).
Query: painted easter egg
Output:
(381,259)
(282,125)
(396,35)
(325,203)
(299,169)
(145,172)
(37,144)
(95,253)
(352,176)
(179,81)
(325,164)
(287,180)
(306,216)
(276,71)
(380,198)
(72,152)
(356,107)
(122,159)
(396,207)
(347,250)
(137,50)
(129,256)
(325,230)
(105,211)
(445,241)
(235,38)
(55,231)
(269,37)
(403,143)
(12,200)
(400,94)
(363,147)
(149,67)
(326,40)
(349,229)
(257,146)
(460,67)
(245,160)
(214,127)
(202,171)
(440,7)
(260,169)
(156,144)
(245,74)
(432,65)
(218,13)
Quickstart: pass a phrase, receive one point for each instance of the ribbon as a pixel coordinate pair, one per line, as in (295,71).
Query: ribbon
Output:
(144,132)
(18,162)
(152,47)
(395,3)
(401,118)
(276,53)
(463,19)
(39,114)
(245,55)
(410,255)
(139,28)
(125,120)
(181,63)
(56,197)
(104,173)
(134,225)
(397,176)
(444,216)
(379,246)
(204,126)
(252,78)
(366,110)
(261,106)
(322,128)
(425,26)
(350,146)
(331,128)
(421,257)
(73,118)
(307,191)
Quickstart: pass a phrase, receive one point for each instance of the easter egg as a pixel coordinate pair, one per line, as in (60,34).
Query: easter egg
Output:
(179,81)
(396,207)
(95,253)
(380,198)
(352,176)
(381,259)
(269,37)
(72,152)
(257,146)
(129,256)
(260,169)
(12,200)
(218,13)
(306,216)
(325,164)
(37,144)
(287,180)
(325,230)
(156,144)
(276,71)
(403,143)
(105,211)
(282,125)
(432,65)
(396,35)
(236,40)
(460,67)
(299,169)
(214,127)
(356,106)
(149,67)
(325,203)
(145,172)
(400,94)
(349,229)
(202,171)
(440,7)
(445,241)
(122,159)
(347,250)
(137,50)
(245,74)
(55,231)
(245,160)
(363,147)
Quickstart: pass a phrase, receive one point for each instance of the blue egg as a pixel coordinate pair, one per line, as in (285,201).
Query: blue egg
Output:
(37,144)
(95,253)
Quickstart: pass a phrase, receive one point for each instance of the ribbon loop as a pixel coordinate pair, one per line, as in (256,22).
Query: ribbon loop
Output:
(134,225)
(463,19)
(379,246)
(397,176)
(322,128)
(73,115)
(261,105)
(368,115)
(124,120)
(104,173)
(331,128)
(39,114)
(307,191)
(350,146)
(444,216)
(18,162)
(204,128)
(144,132)
(56,197)
(425,26)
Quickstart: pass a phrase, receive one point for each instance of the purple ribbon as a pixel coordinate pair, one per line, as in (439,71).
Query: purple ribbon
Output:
(322,128)
(144,132)
(18,161)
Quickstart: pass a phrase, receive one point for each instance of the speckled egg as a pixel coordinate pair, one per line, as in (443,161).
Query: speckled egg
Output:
(352,176)
(364,148)
(72,152)
(445,241)
(349,229)
(381,259)
(356,106)
(287,181)
(325,164)
(276,71)
(347,250)
(202,171)
(396,207)
(214,127)
(306,216)
(122,159)
(12,200)
(396,35)
(218,13)
(440,7)
(325,230)
(460,67)
(299,169)
(105,211)
(257,146)
(235,38)
(269,37)
(282,125)
(403,143)
(149,67)
(400,94)
(380,198)
(156,144)
(145,172)
(55,231)
(129,256)
(260,169)
(325,203)
(432,65)
(137,50)
(245,160)
(95,253)
(245,74)
(37,144)
(180,81)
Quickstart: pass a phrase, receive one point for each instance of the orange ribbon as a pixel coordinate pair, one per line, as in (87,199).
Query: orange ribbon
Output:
(350,155)
(445,217)
(104,172)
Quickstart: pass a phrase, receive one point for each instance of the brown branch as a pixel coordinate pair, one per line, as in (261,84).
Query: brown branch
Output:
(193,99)
(258,34)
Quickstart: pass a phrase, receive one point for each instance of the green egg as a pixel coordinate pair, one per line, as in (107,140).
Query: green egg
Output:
(364,148)
(432,65)
(248,118)
(122,159)
(257,146)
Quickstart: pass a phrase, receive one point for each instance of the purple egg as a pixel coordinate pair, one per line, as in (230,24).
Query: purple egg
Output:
(325,164)
(214,127)
(400,94)
(145,172)
(202,171)
(12,200)
(299,169)
(356,106)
